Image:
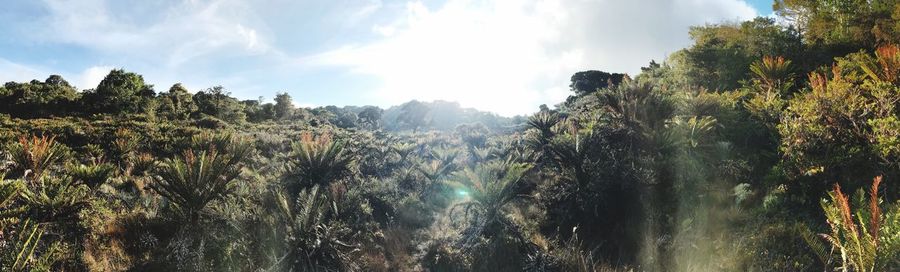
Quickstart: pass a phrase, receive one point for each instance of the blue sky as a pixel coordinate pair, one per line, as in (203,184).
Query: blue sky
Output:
(502,56)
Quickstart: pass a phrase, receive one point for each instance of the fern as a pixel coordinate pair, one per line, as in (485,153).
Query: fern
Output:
(318,160)
(9,191)
(866,239)
(19,253)
(488,188)
(195,179)
(53,199)
(36,154)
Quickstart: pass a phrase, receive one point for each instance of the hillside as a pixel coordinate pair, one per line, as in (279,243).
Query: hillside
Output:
(760,147)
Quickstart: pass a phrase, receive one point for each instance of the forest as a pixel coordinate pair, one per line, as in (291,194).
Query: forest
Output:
(767,145)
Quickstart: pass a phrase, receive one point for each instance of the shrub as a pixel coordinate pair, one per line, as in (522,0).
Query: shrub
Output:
(195,179)
(93,175)
(866,239)
(36,154)
(317,160)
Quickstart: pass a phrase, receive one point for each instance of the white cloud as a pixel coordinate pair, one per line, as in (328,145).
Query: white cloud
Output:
(11,71)
(510,56)
(92,76)
(175,34)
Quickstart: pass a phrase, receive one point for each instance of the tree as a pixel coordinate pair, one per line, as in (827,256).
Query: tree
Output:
(586,82)
(721,54)
(284,107)
(54,96)
(121,92)
(217,102)
(845,124)
(488,188)
(414,114)
(370,116)
(257,111)
(851,23)
(177,104)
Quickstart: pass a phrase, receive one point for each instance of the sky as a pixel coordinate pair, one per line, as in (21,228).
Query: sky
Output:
(503,56)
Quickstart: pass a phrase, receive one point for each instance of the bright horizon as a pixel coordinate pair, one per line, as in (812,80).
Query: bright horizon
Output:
(506,57)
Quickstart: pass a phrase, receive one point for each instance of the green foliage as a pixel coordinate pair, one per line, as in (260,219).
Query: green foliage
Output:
(721,54)
(370,116)
(284,107)
(316,240)
(93,175)
(858,23)
(19,254)
(52,97)
(487,189)
(124,146)
(843,120)
(193,180)
(35,155)
(55,199)
(414,114)
(177,103)
(9,192)
(866,239)
(317,160)
(218,103)
(590,81)
(773,74)
(121,92)
(712,160)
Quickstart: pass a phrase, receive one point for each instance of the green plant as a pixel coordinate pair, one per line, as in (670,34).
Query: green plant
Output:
(125,144)
(773,73)
(316,240)
(866,239)
(318,160)
(195,179)
(487,189)
(142,163)
(93,175)
(543,122)
(886,66)
(36,154)
(9,191)
(54,199)
(19,253)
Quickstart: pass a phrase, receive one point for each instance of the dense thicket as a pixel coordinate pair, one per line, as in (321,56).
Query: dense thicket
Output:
(738,153)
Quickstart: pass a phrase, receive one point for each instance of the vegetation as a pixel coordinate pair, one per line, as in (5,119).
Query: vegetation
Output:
(730,155)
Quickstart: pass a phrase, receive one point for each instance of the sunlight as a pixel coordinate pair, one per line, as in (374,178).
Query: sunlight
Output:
(462,193)
(430,56)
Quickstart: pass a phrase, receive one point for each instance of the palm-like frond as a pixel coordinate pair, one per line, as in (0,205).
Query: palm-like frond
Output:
(316,241)
(53,198)
(544,121)
(403,150)
(318,160)
(19,251)
(92,175)
(9,191)
(887,66)
(435,169)
(861,237)
(695,132)
(36,154)
(125,144)
(772,72)
(638,106)
(195,179)
(490,186)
